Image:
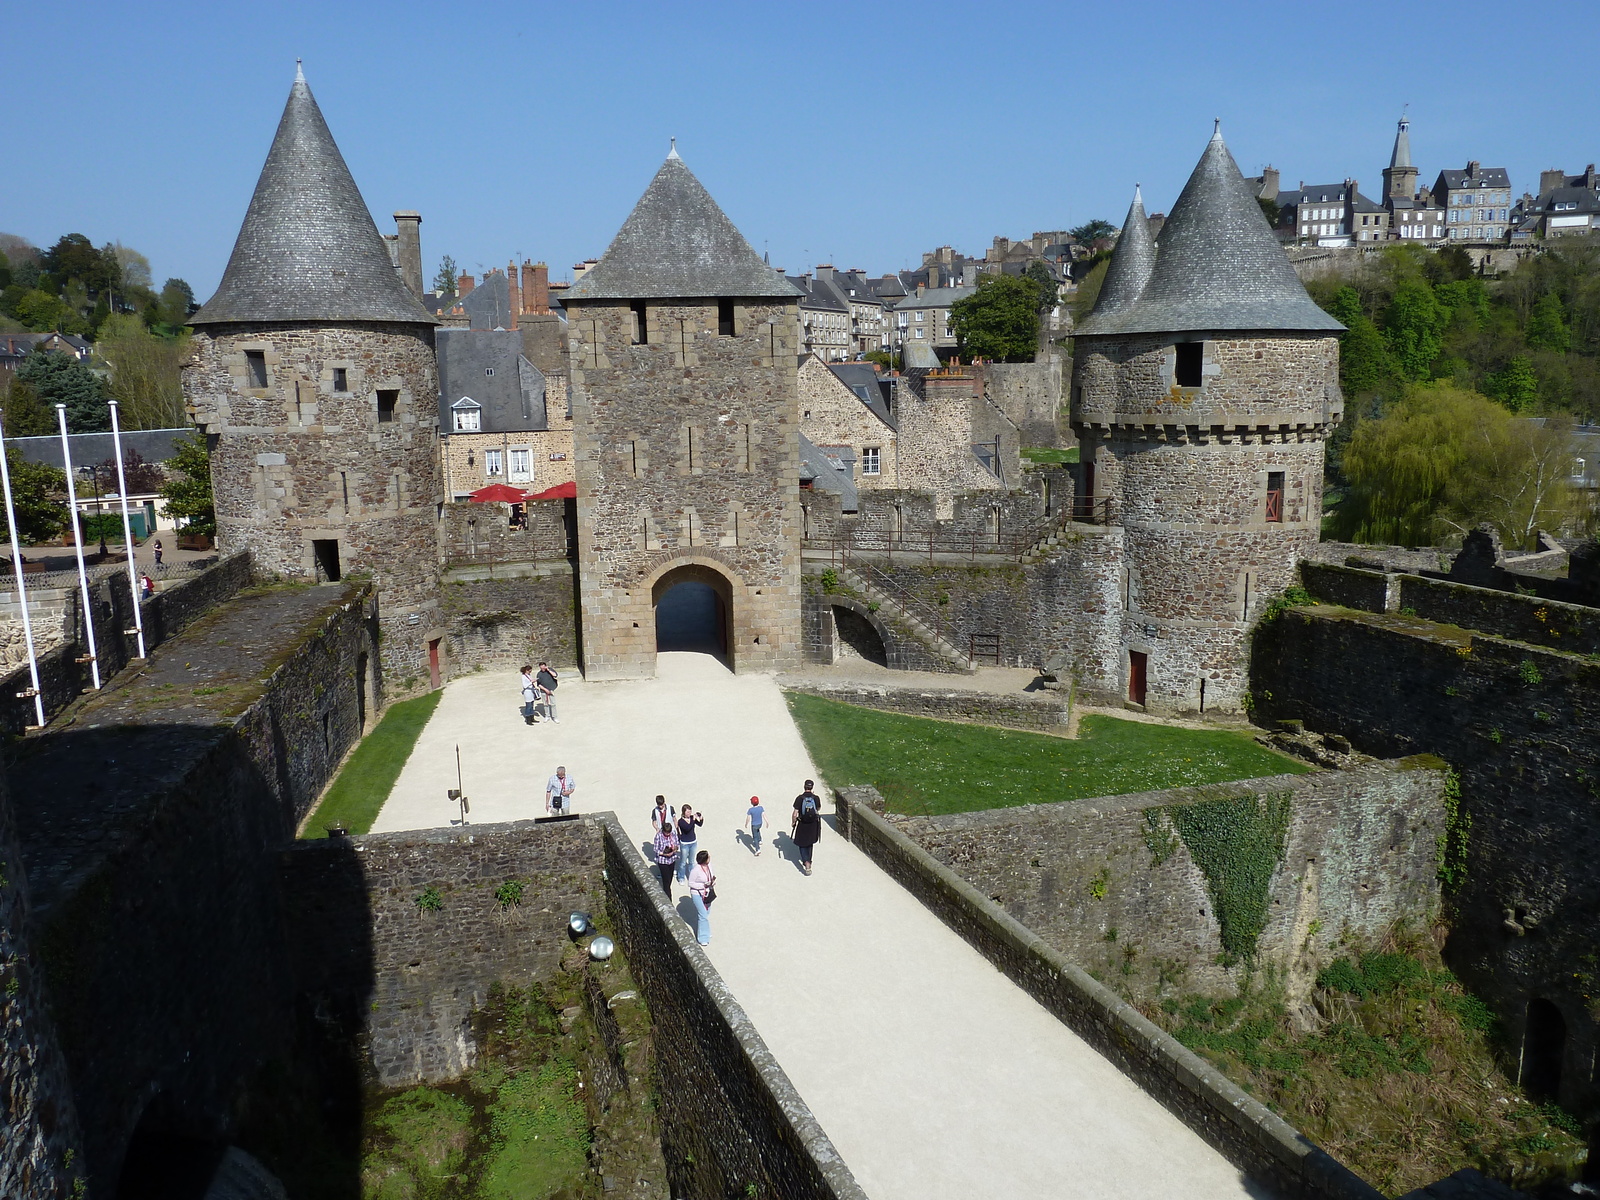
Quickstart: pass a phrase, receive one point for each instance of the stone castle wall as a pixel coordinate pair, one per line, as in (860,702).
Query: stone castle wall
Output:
(297,461)
(687,458)
(1030,395)
(501,617)
(1519,723)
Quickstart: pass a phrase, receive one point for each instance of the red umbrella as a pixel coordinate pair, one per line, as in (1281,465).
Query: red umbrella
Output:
(561,491)
(502,493)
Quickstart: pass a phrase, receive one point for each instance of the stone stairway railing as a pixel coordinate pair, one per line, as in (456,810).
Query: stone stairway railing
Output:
(926,624)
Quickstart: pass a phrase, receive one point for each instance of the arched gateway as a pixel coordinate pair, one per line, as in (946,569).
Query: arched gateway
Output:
(694,611)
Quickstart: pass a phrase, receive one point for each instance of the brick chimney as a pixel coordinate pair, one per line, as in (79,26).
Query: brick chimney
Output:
(513,294)
(1550,180)
(408,226)
(1269,183)
(464,285)
(825,271)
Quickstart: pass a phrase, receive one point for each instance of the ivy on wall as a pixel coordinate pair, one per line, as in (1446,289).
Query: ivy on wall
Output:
(1452,849)
(1237,843)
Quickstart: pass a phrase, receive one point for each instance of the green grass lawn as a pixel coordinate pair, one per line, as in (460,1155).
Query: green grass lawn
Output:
(924,766)
(1049,455)
(369,773)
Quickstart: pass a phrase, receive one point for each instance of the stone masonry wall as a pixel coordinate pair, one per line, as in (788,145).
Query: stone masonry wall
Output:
(471,532)
(1359,855)
(521,613)
(832,415)
(1521,724)
(360,939)
(297,461)
(941,417)
(1046,712)
(687,457)
(1029,394)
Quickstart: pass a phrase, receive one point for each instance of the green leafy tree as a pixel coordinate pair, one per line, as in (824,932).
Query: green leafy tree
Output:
(1000,320)
(1547,326)
(61,379)
(444,283)
(27,415)
(1514,385)
(144,372)
(187,492)
(39,495)
(1270,210)
(1045,280)
(1414,324)
(1091,232)
(40,310)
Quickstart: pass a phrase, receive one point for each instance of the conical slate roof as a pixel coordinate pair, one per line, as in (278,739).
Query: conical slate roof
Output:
(678,243)
(1402,146)
(1218,267)
(308,249)
(1131,263)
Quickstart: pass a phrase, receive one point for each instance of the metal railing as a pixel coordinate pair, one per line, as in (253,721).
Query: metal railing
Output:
(1086,510)
(921,610)
(547,550)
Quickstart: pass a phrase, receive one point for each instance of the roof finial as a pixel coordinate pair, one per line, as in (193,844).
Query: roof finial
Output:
(1138,196)
(673,153)
(299,72)
(1216,129)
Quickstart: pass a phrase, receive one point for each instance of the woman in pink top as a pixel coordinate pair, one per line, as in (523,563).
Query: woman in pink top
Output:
(703,890)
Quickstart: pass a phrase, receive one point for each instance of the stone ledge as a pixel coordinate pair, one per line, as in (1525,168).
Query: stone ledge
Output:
(1046,714)
(1244,1130)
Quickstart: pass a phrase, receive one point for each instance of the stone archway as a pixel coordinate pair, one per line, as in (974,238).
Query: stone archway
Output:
(1544,1044)
(858,636)
(693,606)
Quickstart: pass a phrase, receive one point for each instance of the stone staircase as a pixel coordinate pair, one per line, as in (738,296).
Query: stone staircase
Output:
(904,610)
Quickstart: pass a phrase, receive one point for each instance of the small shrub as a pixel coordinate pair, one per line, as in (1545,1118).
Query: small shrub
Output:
(509,893)
(830,581)
(429,899)
(1099,884)
(1290,597)
(1529,670)
(1408,612)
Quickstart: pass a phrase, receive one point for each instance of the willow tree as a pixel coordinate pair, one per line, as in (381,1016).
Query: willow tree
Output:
(144,372)
(1442,461)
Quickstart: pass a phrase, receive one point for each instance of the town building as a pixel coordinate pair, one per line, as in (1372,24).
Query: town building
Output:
(1413,215)
(924,316)
(1477,203)
(14,347)
(869,326)
(684,357)
(1331,214)
(842,405)
(824,317)
(313,377)
(1204,386)
(1566,204)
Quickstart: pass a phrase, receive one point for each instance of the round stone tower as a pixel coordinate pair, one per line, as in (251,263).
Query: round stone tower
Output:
(315,382)
(1205,383)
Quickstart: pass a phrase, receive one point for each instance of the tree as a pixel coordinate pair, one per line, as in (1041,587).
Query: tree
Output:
(1270,210)
(444,283)
(39,310)
(1413,323)
(144,372)
(141,475)
(1547,326)
(168,313)
(1091,232)
(39,495)
(1444,460)
(187,491)
(1514,385)
(26,414)
(1000,320)
(62,379)
(1045,280)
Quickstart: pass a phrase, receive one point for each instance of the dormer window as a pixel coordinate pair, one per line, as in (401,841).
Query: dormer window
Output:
(466,415)
(488,370)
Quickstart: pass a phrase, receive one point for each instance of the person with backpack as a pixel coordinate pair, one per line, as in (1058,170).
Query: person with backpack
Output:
(530,711)
(754,817)
(547,683)
(688,834)
(703,890)
(805,827)
(667,850)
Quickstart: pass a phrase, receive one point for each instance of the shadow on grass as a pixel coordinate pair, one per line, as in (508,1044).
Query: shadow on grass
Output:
(359,791)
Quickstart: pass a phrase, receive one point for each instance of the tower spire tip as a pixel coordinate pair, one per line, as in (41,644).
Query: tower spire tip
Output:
(299,72)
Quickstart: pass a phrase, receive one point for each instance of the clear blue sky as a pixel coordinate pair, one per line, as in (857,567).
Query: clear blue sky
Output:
(856,134)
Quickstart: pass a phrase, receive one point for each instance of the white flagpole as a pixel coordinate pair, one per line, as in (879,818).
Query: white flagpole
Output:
(22,590)
(77,536)
(127,529)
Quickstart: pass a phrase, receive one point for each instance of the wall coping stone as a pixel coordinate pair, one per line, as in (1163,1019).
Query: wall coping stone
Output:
(1243,1129)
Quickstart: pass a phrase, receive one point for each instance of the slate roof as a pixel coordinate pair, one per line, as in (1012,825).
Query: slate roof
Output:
(1494,177)
(1402,146)
(308,249)
(816,294)
(1581,200)
(942,297)
(917,354)
(677,243)
(861,379)
(488,305)
(1131,263)
(512,400)
(828,473)
(1218,265)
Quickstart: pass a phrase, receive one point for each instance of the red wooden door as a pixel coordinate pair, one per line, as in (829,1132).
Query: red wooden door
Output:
(1138,663)
(433,662)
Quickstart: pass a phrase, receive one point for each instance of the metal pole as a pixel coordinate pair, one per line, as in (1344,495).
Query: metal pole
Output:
(77,537)
(22,591)
(127,529)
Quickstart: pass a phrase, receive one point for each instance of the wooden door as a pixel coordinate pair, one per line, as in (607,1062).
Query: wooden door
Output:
(433,662)
(1138,665)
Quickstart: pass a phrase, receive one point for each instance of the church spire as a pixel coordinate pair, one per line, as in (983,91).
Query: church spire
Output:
(1401,158)
(308,249)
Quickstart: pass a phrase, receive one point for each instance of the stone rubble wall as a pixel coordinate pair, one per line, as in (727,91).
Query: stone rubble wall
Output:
(1047,712)
(1030,395)
(832,415)
(503,617)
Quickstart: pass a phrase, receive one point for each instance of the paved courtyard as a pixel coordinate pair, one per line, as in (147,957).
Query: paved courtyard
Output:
(934,1075)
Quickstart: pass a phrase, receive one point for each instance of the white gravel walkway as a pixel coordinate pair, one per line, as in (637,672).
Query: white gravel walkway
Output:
(934,1075)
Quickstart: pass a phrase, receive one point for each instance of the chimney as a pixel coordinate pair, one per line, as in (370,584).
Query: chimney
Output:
(513,294)
(1550,180)
(408,225)
(464,285)
(825,271)
(1472,169)
(1269,183)
(1590,180)
(969,275)
(541,290)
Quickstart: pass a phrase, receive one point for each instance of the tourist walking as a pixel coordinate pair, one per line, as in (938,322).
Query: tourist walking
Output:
(547,683)
(156,549)
(753,819)
(663,814)
(530,695)
(667,850)
(689,822)
(806,824)
(703,890)
(558,793)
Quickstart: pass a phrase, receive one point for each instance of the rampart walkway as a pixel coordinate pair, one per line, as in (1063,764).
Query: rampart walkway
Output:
(933,1074)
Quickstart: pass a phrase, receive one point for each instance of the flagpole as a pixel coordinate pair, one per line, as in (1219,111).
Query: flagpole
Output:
(77,537)
(127,529)
(22,591)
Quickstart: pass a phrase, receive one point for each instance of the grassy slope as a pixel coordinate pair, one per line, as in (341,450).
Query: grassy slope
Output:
(924,766)
(369,773)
